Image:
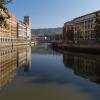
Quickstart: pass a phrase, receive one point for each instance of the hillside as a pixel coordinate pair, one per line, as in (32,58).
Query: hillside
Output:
(47,31)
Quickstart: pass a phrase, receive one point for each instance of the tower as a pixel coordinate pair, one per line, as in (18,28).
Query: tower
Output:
(26,20)
(28,25)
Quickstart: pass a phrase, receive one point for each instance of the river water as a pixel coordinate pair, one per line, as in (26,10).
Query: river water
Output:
(41,73)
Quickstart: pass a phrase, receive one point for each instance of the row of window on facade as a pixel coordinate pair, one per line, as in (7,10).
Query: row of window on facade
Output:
(86,23)
(15,30)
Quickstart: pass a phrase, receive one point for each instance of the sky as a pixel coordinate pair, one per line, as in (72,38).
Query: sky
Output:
(52,13)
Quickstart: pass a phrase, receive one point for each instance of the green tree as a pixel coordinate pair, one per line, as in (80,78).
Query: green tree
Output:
(80,32)
(97,28)
(70,34)
(3,4)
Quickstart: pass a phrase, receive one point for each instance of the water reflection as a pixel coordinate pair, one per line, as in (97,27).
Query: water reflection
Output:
(11,60)
(8,66)
(48,74)
(84,65)
(24,58)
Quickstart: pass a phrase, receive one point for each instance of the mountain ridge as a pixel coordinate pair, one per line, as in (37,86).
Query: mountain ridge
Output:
(47,31)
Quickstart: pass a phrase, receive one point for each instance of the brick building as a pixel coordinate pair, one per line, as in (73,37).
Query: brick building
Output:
(8,34)
(86,24)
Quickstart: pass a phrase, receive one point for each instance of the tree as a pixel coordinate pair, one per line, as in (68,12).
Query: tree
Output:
(80,33)
(97,28)
(3,8)
(70,34)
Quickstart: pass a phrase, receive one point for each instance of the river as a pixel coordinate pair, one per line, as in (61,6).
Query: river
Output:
(41,73)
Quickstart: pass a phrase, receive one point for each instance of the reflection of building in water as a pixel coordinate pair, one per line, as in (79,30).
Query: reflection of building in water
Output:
(10,59)
(68,60)
(8,66)
(22,54)
(28,64)
(87,66)
(24,58)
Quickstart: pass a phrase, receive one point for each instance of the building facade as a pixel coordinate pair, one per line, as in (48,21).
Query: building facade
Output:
(87,24)
(28,26)
(8,33)
(14,31)
(24,29)
(21,31)
(84,28)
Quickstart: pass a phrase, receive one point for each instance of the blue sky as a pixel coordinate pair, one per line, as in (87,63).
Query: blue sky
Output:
(52,13)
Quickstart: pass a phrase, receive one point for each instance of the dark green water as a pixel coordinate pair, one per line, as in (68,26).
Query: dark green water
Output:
(40,73)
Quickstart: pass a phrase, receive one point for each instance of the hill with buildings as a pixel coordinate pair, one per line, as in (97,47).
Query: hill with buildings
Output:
(47,31)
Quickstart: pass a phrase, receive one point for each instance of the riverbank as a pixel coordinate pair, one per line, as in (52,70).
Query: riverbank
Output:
(18,43)
(86,48)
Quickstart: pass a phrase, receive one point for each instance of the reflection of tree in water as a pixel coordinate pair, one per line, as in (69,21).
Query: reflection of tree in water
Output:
(98,70)
(26,67)
(87,66)
(68,60)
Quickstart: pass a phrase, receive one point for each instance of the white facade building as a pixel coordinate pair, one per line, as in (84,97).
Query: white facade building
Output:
(22,31)
(28,32)
(28,25)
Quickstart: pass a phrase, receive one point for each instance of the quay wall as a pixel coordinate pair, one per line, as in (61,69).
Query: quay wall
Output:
(17,44)
(94,49)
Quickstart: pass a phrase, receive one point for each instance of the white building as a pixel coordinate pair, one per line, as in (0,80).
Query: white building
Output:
(28,32)
(28,25)
(22,31)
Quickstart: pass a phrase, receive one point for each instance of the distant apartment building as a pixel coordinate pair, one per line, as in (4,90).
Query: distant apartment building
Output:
(21,31)
(28,27)
(8,34)
(67,26)
(24,29)
(86,24)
